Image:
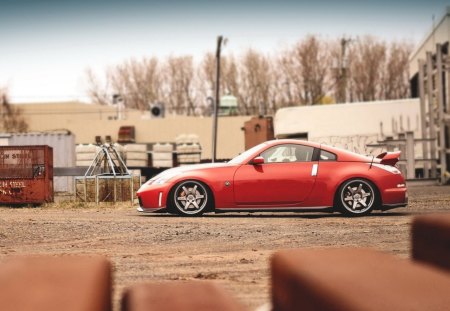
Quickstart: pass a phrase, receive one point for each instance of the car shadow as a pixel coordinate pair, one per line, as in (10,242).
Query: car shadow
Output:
(304,215)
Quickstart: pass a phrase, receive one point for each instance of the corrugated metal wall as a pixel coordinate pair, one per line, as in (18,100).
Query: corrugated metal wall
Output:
(63,145)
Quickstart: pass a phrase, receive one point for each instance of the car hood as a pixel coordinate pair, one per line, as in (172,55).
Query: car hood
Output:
(188,168)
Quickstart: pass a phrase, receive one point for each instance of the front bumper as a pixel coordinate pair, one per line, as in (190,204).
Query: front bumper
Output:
(150,210)
(152,198)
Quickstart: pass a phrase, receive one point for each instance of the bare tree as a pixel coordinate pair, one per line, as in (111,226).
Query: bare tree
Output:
(12,120)
(206,82)
(291,81)
(314,61)
(207,73)
(368,57)
(229,82)
(395,77)
(364,69)
(306,70)
(280,93)
(138,82)
(230,77)
(178,89)
(96,92)
(255,81)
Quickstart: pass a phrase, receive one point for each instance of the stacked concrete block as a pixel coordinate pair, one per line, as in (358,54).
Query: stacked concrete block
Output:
(188,149)
(187,296)
(162,155)
(47,283)
(181,139)
(188,153)
(136,155)
(431,240)
(85,154)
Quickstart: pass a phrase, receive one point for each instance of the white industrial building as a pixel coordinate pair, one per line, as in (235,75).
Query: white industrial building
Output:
(439,34)
(351,126)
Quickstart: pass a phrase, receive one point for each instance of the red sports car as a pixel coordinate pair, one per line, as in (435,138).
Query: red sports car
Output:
(280,175)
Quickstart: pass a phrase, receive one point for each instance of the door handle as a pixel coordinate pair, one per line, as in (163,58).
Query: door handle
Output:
(314,170)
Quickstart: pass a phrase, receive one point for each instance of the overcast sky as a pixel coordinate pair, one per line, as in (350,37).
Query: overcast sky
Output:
(46,45)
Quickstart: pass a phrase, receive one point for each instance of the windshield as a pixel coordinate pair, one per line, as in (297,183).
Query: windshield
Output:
(240,158)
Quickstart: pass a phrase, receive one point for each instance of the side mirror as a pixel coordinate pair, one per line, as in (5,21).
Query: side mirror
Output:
(258,160)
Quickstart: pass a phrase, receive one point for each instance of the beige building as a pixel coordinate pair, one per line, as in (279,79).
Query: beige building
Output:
(86,121)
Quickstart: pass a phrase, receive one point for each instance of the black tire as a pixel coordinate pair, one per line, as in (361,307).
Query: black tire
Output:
(190,198)
(356,197)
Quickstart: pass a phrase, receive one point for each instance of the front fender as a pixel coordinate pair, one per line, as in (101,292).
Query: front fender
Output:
(219,181)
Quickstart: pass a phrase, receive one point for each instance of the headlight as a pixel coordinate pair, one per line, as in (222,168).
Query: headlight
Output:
(160,181)
(162,178)
(389,168)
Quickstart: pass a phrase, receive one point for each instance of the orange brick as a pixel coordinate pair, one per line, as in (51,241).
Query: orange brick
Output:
(171,296)
(45,283)
(355,279)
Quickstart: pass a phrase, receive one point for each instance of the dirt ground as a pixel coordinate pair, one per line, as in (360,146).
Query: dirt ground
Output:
(231,249)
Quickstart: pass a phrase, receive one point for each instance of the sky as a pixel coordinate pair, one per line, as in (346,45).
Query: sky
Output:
(46,46)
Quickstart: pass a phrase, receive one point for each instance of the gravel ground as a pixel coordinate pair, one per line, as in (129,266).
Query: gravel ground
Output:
(231,249)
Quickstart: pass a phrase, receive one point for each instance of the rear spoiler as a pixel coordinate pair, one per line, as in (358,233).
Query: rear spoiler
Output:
(389,158)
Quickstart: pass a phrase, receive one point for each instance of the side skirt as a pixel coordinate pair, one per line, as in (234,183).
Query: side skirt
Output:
(328,209)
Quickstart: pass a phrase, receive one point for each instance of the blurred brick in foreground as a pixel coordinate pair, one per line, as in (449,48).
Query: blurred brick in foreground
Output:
(46,283)
(186,296)
(355,279)
(431,240)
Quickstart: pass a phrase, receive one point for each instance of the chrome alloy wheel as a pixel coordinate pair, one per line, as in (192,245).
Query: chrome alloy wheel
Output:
(357,196)
(190,197)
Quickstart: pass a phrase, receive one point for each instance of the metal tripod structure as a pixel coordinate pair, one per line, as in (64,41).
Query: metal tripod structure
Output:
(107,162)
(107,167)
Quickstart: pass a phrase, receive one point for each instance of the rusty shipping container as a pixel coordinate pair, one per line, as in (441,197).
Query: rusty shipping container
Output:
(258,130)
(26,174)
(63,144)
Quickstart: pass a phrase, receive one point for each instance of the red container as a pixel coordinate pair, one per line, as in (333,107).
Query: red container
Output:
(26,174)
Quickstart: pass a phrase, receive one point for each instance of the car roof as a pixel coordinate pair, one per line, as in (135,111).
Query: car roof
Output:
(293,141)
(343,154)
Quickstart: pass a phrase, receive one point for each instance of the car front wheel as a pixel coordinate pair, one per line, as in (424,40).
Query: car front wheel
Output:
(356,197)
(190,198)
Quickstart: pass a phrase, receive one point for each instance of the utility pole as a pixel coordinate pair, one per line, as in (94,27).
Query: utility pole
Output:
(342,72)
(217,100)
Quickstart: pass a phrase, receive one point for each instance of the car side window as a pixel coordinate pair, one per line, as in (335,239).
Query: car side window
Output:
(288,153)
(327,156)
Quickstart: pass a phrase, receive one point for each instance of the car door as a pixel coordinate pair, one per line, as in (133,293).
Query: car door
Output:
(286,177)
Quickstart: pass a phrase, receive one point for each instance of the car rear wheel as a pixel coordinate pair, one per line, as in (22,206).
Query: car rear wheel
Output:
(356,197)
(191,198)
